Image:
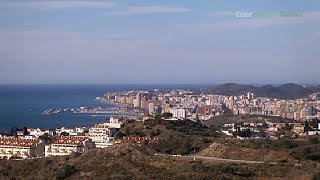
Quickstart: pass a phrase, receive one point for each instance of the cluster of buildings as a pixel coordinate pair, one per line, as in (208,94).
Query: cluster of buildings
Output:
(185,104)
(181,104)
(298,109)
(64,141)
(268,129)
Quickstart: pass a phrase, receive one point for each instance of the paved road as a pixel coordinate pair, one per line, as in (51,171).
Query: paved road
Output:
(221,159)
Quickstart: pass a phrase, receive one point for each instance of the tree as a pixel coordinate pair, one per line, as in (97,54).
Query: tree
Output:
(288,127)
(126,131)
(306,126)
(316,176)
(264,125)
(152,133)
(235,126)
(119,135)
(64,134)
(314,140)
(46,138)
(65,171)
(185,148)
(167,115)
(14,131)
(25,131)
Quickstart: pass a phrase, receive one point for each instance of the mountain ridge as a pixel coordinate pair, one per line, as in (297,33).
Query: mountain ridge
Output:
(284,91)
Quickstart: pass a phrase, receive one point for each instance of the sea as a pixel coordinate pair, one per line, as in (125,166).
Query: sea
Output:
(22,105)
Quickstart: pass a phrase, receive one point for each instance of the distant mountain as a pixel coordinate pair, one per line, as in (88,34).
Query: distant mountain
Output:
(315,88)
(230,89)
(285,91)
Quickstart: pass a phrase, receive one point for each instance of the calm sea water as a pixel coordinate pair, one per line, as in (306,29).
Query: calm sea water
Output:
(22,105)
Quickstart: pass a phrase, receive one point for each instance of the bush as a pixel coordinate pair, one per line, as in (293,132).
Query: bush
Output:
(283,161)
(316,176)
(313,157)
(75,155)
(313,140)
(290,144)
(119,135)
(232,169)
(140,134)
(4,172)
(152,133)
(66,171)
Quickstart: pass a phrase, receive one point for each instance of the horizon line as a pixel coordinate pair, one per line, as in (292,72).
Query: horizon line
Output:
(166,83)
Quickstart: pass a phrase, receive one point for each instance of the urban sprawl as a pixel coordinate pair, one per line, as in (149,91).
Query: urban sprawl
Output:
(170,105)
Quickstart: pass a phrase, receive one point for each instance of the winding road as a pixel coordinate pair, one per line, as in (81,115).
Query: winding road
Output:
(220,159)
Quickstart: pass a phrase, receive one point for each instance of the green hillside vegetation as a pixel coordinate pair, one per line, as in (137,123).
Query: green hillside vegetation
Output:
(136,161)
(217,121)
(286,91)
(284,158)
(176,137)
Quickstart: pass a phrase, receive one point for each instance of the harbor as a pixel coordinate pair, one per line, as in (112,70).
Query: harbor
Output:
(95,111)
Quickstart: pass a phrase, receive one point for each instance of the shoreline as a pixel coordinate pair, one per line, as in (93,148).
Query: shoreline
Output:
(111,102)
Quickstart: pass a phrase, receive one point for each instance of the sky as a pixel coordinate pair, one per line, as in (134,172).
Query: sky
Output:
(164,41)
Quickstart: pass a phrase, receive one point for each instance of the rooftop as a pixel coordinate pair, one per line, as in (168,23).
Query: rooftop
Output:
(18,142)
(74,140)
(101,126)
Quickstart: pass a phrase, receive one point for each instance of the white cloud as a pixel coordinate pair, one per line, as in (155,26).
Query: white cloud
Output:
(149,10)
(59,4)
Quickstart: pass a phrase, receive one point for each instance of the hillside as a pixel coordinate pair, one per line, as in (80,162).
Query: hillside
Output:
(285,91)
(231,89)
(315,88)
(153,160)
(216,121)
(246,153)
(176,137)
(122,161)
(135,161)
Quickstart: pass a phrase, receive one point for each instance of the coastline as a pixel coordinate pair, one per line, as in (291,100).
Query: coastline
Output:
(23,105)
(111,102)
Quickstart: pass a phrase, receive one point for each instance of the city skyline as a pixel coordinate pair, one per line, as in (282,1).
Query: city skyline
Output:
(111,42)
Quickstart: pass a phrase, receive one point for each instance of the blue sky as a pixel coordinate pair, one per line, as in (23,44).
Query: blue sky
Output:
(159,41)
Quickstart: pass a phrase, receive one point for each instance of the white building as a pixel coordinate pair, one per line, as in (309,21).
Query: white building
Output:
(80,130)
(138,101)
(38,132)
(178,113)
(250,95)
(102,134)
(70,131)
(151,108)
(65,145)
(114,122)
(30,137)
(20,147)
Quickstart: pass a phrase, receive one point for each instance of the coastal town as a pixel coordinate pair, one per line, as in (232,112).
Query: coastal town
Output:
(195,105)
(299,116)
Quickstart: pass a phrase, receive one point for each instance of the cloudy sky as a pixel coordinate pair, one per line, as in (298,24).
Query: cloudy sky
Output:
(165,41)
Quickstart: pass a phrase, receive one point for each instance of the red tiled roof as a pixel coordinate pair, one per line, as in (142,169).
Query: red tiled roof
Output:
(75,140)
(13,141)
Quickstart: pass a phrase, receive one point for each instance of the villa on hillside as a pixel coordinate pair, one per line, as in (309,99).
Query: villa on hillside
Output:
(65,145)
(102,135)
(20,147)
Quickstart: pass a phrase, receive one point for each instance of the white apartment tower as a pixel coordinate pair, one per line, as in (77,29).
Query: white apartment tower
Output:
(179,113)
(138,101)
(250,95)
(151,108)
